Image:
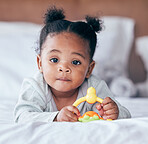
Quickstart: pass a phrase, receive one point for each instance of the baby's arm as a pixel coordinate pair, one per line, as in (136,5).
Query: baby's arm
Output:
(32,104)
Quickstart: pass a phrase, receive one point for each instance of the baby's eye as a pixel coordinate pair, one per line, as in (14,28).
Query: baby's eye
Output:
(54,60)
(76,62)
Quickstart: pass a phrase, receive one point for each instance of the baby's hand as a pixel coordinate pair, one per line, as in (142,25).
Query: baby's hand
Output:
(108,109)
(68,113)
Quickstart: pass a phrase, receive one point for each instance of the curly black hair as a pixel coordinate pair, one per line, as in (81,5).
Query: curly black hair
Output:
(55,23)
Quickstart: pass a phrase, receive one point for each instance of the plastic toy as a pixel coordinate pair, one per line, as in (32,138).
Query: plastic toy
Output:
(90,116)
(90,98)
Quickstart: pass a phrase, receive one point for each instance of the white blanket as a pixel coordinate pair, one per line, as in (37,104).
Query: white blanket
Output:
(127,131)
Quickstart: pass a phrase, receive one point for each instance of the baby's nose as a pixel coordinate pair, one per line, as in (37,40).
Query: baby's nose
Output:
(64,69)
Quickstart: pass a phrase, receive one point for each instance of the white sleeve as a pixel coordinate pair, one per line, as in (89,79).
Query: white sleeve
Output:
(32,104)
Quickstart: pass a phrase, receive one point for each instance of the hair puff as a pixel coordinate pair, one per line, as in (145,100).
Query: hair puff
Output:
(95,23)
(53,14)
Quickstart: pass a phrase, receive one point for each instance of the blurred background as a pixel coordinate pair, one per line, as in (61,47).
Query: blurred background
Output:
(121,58)
(121,55)
(33,11)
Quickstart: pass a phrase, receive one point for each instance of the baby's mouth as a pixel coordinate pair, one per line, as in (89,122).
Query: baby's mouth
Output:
(63,79)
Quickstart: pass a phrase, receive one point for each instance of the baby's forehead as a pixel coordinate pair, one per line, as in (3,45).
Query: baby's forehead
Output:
(67,37)
(66,41)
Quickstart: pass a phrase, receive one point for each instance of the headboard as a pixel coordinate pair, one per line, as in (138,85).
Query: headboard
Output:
(33,10)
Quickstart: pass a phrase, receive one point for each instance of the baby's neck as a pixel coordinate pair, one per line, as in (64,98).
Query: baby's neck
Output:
(63,99)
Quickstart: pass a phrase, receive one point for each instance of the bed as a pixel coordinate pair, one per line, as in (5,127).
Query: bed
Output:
(18,60)
(132,130)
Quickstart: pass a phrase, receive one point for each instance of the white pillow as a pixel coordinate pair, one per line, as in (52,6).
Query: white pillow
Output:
(113,48)
(17,56)
(123,87)
(142,51)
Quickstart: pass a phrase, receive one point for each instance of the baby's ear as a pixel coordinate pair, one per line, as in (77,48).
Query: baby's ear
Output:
(39,62)
(90,69)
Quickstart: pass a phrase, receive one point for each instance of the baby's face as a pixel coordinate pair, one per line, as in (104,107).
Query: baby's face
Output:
(64,61)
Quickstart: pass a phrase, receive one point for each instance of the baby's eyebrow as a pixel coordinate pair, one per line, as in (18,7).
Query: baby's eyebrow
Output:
(54,50)
(76,53)
(79,54)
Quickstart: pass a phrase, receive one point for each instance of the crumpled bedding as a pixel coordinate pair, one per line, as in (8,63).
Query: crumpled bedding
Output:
(129,131)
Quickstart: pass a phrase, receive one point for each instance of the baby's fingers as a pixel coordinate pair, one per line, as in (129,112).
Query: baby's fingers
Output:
(109,106)
(112,113)
(71,117)
(74,109)
(112,116)
(98,106)
(100,109)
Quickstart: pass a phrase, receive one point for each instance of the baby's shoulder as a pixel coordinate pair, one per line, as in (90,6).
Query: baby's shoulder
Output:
(37,79)
(93,81)
(97,83)
(36,82)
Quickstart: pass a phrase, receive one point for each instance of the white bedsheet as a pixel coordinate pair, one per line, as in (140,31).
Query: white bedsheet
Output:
(126,131)
(129,131)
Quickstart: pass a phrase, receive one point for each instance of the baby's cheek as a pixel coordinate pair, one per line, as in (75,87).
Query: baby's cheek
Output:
(79,76)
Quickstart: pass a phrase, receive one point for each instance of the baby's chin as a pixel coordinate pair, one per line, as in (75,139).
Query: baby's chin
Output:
(64,89)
